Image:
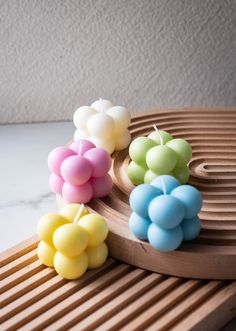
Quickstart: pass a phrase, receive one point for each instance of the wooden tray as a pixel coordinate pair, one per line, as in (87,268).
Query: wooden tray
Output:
(212,134)
(115,297)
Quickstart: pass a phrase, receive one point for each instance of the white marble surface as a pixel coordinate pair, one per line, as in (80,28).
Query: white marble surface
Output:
(24,192)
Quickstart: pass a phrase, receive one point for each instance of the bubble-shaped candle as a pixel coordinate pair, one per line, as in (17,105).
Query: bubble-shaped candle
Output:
(104,124)
(80,172)
(156,155)
(165,213)
(72,241)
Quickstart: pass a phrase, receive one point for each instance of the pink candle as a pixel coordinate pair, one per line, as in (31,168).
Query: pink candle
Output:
(80,172)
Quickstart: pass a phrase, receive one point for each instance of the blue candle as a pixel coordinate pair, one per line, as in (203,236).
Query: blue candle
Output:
(165,213)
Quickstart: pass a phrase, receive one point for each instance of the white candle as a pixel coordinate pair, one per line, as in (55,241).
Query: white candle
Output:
(104,124)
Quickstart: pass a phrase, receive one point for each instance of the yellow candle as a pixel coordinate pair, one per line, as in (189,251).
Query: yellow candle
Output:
(96,228)
(72,241)
(70,267)
(46,253)
(97,255)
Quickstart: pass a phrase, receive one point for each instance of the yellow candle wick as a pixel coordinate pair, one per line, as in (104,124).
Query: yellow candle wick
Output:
(79,213)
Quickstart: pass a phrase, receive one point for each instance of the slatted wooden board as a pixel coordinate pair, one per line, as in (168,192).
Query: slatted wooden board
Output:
(115,297)
(212,134)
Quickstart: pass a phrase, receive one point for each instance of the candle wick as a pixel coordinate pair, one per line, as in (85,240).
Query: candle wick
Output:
(77,216)
(163,186)
(80,148)
(158,132)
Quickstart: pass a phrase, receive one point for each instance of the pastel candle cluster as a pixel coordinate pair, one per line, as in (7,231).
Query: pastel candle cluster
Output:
(104,124)
(72,241)
(165,213)
(80,172)
(156,155)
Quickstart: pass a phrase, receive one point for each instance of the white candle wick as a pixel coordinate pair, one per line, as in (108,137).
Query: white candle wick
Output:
(158,132)
(163,186)
(77,216)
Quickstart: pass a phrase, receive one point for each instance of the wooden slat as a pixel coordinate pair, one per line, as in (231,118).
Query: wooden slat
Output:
(173,286)
(218,308)
(21,275)
(15,252)
(77,299)
(118,302)
(18,263)
(96,284)
(46,296)
(26,285)
(98,300)
(114,297)
(185,306)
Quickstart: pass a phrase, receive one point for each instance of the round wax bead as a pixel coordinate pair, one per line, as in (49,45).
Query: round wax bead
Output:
(102,105)
(77,194)
(139,226)
(139,148)
(48,224)
(149,176)
(70,267)
(81,146)
(182,173)
(161,159)
(96,228)
(121,117)
(164,240)
(81,116)
(122,140)
(183,150)
(70,239)
(106,144)
(190,197)
(56,183)
(101,125)
(140,198)
(170,183)
(102,186)
(76,170)
(56,157)
(155,135)
(166,211)
(70,211)
(136,173)
(46,253)
(191,228)
(99,160)
(97,255)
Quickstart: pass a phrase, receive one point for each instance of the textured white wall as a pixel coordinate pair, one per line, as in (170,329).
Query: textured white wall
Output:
(56,55)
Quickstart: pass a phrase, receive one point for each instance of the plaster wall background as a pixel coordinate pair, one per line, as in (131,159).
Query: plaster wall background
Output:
(57,55)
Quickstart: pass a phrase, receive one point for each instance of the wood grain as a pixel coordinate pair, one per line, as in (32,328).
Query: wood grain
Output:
(116,296)
(212,134)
